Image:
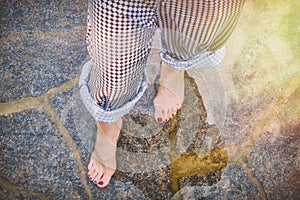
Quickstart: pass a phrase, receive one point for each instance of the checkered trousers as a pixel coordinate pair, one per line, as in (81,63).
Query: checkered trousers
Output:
(119,39)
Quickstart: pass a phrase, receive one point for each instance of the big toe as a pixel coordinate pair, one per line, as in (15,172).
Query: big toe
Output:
(104,181)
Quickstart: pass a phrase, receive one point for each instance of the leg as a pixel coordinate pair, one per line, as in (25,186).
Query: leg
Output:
(103,161)
(170,94)
(191,39)
(119,41)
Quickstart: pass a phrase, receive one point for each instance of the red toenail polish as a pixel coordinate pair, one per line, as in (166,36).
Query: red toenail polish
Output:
(100,183)
(159,120)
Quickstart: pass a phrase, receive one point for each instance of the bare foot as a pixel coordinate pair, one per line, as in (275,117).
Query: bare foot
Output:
(103,160)
(170,94)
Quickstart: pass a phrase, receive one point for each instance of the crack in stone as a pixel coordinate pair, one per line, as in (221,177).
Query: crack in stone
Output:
(254,179)
(38,102)
(72,146)
(240,152)
(266,117)
(42,103)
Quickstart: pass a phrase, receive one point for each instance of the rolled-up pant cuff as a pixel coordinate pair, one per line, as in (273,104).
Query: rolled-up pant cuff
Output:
(205,59)
(95,110)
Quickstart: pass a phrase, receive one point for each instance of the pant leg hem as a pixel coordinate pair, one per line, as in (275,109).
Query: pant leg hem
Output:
(95,110)
(205,59)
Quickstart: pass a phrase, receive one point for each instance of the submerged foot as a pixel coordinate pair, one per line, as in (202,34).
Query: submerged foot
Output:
(170,94)
(103,160)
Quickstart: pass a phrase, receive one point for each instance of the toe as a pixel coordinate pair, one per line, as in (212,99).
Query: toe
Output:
(94,174)
(99,175)
(171,114)
(178,106)
(91,164)
(104,181)
(174,111)
(160,114)
(92,168)
(98,178)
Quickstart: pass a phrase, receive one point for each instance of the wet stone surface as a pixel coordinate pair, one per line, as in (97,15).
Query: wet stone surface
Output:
(192,110)
(43,46)
(154,184)
(145,148)
(200,180)
(82,128)
(234,184)
(36,157)
(238,124)
(6,194)
(118,190)
(77,120)
(275,162)
(38,47)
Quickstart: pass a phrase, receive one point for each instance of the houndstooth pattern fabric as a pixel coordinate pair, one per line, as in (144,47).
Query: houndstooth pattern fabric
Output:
(120,35)
(98,113)
(120,41)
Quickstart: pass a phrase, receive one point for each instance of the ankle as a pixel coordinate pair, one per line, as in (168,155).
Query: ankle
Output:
(111,131)
(168,72)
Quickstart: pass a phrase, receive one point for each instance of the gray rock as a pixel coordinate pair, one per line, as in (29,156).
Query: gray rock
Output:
(35,157)
(7,194)
(82,128)
(238,124)
(77,120)
(234,184)
(42,45)
(118,190)
(275,162)
(154,184)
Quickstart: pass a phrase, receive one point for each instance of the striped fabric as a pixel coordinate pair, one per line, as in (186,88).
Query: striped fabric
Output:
(119,40)
(190,28)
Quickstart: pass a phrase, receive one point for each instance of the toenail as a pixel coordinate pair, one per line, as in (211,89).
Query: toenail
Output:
(159,120)
(100,183)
